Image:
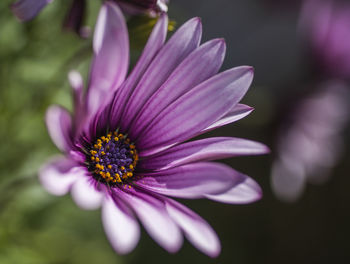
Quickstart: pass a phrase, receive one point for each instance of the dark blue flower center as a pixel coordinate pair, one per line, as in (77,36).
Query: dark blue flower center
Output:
(112,159)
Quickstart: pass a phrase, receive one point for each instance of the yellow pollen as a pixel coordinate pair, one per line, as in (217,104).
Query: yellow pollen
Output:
(105,168)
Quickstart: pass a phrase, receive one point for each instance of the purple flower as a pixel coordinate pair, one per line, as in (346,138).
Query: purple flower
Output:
(126,145)
(326,26)
(312,143)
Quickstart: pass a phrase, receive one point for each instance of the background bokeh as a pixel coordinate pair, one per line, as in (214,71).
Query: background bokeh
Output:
(36,227)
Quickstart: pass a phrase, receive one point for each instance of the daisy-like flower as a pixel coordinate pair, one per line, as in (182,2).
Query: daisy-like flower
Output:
(312,144)
(126,145)
(27,9)
(326,26)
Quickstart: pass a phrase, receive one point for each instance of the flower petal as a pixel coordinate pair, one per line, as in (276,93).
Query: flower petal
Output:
(110,64)
(201,64)
(121,227)
(191,180)
(85,193)
(154,217)
(154,43)
(58,175)
(238,112)
(182,43)
(196,110)
(196,229)
(59,126)
(28,9)
(246,190)
(202,150)
(77,84)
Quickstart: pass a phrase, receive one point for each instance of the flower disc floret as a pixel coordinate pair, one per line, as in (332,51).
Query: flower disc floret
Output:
(112,159)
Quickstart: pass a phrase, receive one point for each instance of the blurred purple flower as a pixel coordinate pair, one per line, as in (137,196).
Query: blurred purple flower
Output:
(312,144)
(125,145)
(326,26)
(27,9)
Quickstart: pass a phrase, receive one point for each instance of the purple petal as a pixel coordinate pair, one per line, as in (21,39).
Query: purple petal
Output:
(246,190)
(77,84)
(196,110)
(154,217)
(120,225)
(59,125)
(200,65)
(110,64)
(85,193)
(58,175)
(203,150)
(28,9)
(154,43)
(191,180)
(196,229)
(182,43)
(238,112)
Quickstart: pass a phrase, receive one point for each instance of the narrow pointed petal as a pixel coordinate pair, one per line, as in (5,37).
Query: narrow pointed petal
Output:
(238,112)
(191,180)
(121,227)
(196,229)
(85,193)
(246,190)
(203,150)
(111,60)
(196,110)
(28,9)
(200,65)
(58,175)
(59,126)
(77,84)
(154,217)
(154,43)
(182,43)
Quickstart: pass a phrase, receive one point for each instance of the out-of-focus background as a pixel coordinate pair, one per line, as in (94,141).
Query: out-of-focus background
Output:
(306,225)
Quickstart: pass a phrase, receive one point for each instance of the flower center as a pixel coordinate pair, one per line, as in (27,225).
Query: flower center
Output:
(112,159)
